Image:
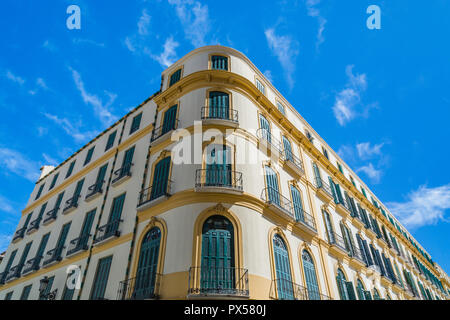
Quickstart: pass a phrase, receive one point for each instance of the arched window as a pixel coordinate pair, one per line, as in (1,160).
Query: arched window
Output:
(360,290)
(218,165)
(285,287)
(310,276)
(273,192)
(217,264)
(346,291)
(160,178)
(148,264)
(219,105)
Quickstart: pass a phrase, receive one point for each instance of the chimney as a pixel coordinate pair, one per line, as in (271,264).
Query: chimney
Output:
(45,170)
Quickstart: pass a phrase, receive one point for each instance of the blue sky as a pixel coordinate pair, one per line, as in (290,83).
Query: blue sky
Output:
(378,97)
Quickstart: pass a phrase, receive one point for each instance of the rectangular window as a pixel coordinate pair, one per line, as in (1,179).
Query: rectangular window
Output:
(260,86)
(25,292)
(363,192)
(340,167)
(101,279)
(54,181)
(281,108)
(69,171)
(39,191)
(48,289)
(325,153)
(111,139)
(175,77)
(9,295)
(353,181)
(89,155)
(136,123)
(68,293)
(170,119)
(219,63)
(309,136)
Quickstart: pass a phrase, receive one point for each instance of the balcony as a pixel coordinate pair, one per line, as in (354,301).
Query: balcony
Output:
(34,225)
(337,241)
(32,265)
(153,195)
(222,116)
(278,203)
(323,189)
(269,143)
(306,221)
(71,204)
(53,256)
(94,191)
(218,180)
(145,287)
(293,163)
(19,234)
(14,273)
(209,282)
(358,254)
(343,208)
(284,289)
(78,244)
(162,132)
(108,231)
(50,216)
(122,174)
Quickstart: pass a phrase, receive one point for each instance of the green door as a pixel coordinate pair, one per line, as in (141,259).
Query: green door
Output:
(169,119)
(147,266)
(273,192)
(114,217)
(100,177)
(86,229)
(62,240)
(285,287)
(310,276)
(127,160)
(101,279)
(217,266)
(160,178)
(219,105)
(218,165)
(297,201)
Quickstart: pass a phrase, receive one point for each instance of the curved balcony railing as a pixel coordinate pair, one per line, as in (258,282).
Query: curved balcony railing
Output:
(272,196)
(125,171)
(19,234)
(71,203)
(109,230)
(221,178)
(154,192)
(145,286)
(163,129)
(34,225)
(78,244)
(95,188)
(51,215)
(53,255)
(220,113)
(216,281)
(322,185)
(273,143)
(285,289)
(32,264)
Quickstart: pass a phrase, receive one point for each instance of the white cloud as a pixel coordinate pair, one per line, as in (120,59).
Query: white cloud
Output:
(6,205)
(49,160)
(5,240)
(424,206)
(168,56)
(100,109)
(314,12)
(268,75)
(129,44)
(14,78)
(72,129)
(194,18)
(143,23)
(285,49)
(346,153)
(42,131)
(41,83)
(366,151)
(49,46)
(344,108)
(373,174)
(14,162)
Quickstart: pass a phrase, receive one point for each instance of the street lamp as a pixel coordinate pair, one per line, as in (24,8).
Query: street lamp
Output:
(43,285)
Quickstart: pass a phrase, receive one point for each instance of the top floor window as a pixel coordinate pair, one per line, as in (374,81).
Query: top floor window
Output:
(111,139)
(69,171)
(175,77)
(89,155)
(281,108)
(325,153)
(260,86)
(136,123)
(219,63)
(39,191)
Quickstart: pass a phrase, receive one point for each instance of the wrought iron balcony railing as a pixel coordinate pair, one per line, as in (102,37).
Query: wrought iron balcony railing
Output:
(32,264)
(50,215)
(285,289)
(53,255)
(109,230)
(272,196)
(163,129)
(19,234)
(220,178)
(220,113)
(267,137)
(34,225)
(216,281)
(289,157)
(125,171)
(322,185)
(94,189)
(78,244)
(304,217)
(337,240)
(145,286)
(154,192)
(71,203)
(359,254)
(14,272)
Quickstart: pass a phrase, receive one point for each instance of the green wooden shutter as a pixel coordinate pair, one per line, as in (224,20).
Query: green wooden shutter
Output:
(219,105)
(170,117)
(111,139)
(58,201)
(175,77)
(333,190)
(101,278)
(24,256)
(39,191)
(272,186)
(101,176)
(297,202)
(317,175)
(283,269)
(160,178)
(69,171)
(48,289)
(128,158)
(136,123)
(329,227)
(53,181)
(62,239)
(26,292)
(42,245)
(265,128)
(89,155)
(310,276)
(287,149)
(350,290)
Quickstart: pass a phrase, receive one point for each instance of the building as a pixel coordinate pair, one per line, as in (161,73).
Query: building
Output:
(213,187)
